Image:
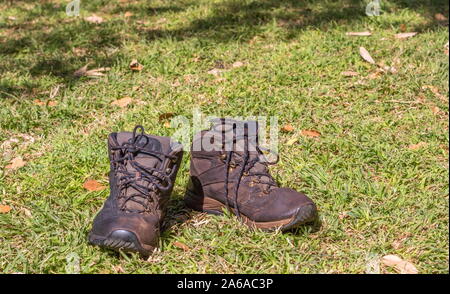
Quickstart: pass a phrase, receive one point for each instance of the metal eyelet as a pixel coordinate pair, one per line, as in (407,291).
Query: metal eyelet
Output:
(168,170)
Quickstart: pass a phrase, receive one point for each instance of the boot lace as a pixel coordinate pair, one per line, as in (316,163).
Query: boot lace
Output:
(246,169)
(155,179)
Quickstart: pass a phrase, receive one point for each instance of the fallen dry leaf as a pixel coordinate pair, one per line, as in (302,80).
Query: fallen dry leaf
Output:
(49,103)
(181,246)
(287,128)
(310,133)
(365,55)
(405,35)
(97,72)
(400,265)
(12,18)
(5,208)
(440,17)
(417,146)
(118,269)
(94,19)
(27,212)
(16,163)
(161,20)
(93,185)
(215,71)
(435,109)
(128,14)
(358,33)
(390,69)
(375,74)
(237,64)
(38,102)
(167,124)
(166,116)
(124,102)
(402,28)
(349,73)
(292,141)
(135,65)
(142,22)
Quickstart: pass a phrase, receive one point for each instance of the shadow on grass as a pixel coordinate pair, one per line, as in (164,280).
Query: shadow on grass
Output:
(53,50)
(177,213)
(242,20)
(53,45)
(58,60)
(306,229)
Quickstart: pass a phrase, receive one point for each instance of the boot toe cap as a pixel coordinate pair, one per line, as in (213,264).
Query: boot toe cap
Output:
(125,232)
(289,204)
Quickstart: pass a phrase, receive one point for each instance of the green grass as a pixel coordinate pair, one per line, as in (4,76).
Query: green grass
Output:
(395,198)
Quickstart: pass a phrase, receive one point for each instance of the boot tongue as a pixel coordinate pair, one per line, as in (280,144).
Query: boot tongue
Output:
(238,135)
(244,134)
(145,143)
(149,162)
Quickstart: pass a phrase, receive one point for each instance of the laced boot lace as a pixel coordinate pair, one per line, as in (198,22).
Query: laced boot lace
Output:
(246,166)
(152,180)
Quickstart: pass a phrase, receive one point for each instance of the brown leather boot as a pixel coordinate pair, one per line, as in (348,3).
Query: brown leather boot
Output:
(229,169)
(142,173)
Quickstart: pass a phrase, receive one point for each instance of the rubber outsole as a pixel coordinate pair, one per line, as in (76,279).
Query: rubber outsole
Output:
(305,214)
(120,240)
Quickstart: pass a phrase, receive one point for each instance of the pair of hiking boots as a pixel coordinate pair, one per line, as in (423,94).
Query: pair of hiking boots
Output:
(228,169)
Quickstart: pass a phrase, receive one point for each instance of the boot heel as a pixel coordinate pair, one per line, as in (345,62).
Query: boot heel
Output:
(193,198)
(193,201)
(203,203)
